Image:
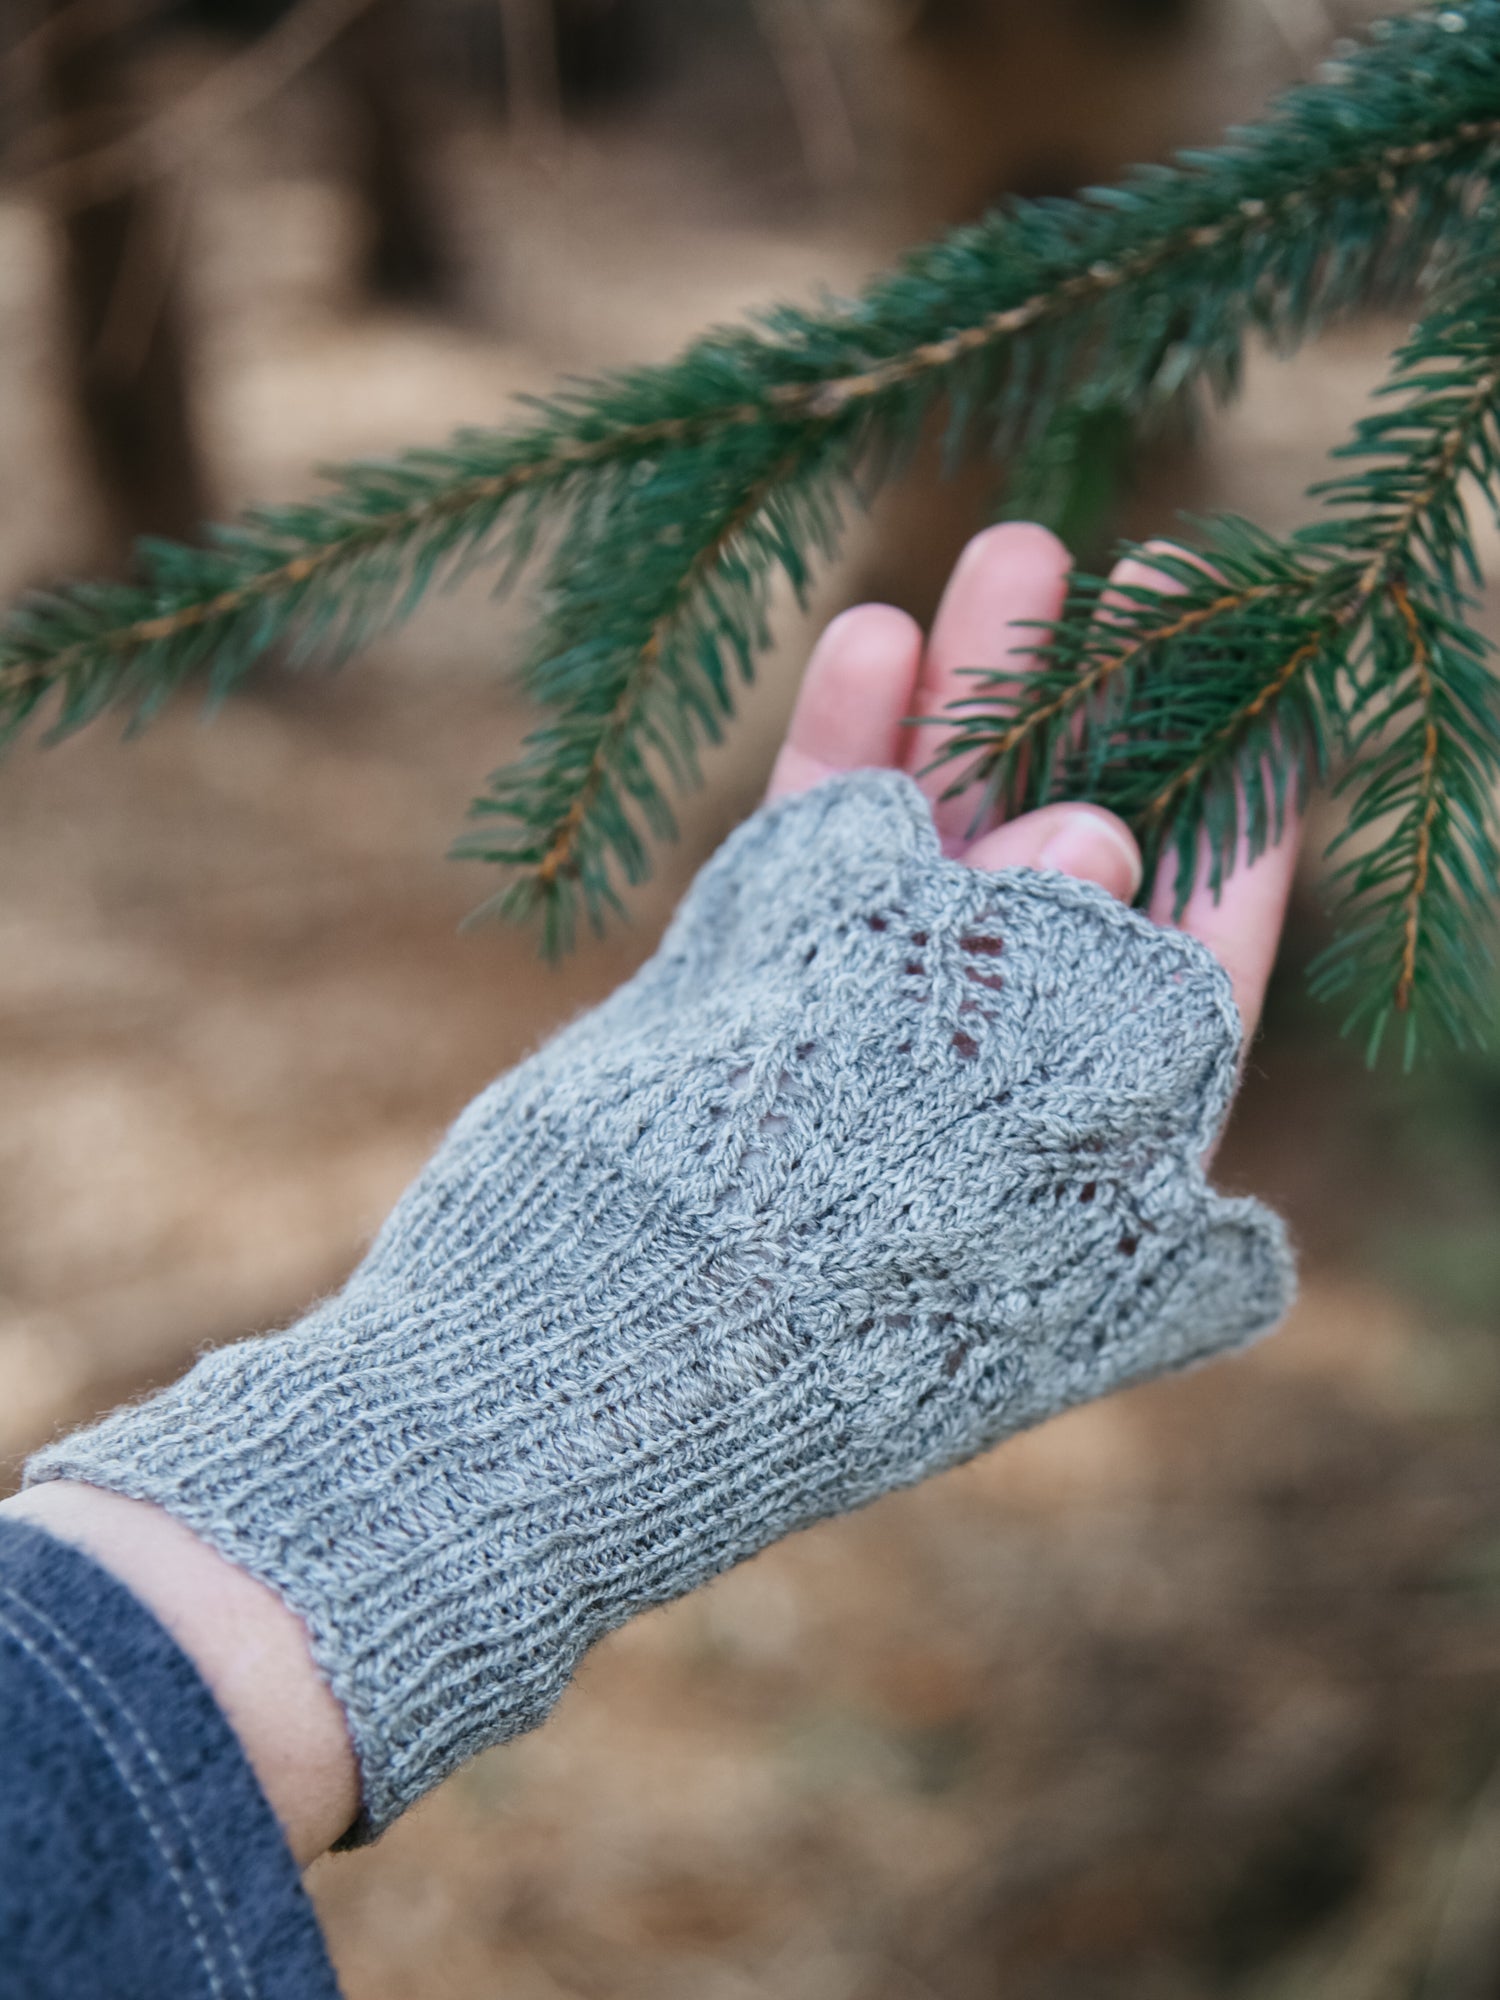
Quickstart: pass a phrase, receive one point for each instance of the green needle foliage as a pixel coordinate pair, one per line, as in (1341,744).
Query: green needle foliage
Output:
(1202,699)
(662,505)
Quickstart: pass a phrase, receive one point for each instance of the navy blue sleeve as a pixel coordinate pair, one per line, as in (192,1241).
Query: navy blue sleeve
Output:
(139,1859)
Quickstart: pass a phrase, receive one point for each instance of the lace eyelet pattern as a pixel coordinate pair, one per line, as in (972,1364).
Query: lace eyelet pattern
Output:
(878,1160)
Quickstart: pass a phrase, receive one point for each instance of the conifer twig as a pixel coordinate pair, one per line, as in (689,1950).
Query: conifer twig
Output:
(1427,805)
(1383,162)
(1227,738)
(559,854)
(1203,706)
(669,499)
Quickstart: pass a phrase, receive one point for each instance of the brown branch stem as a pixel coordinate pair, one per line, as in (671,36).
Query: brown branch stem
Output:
(1271,692)
(1447,464)
(491,488)
(1427,793)
(1104,670)
(1378,576)
(828,398)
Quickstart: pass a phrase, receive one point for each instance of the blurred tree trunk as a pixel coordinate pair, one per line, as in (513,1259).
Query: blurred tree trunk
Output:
(406,256)
(126,340)
(604,49)
(1011,97)
(533,84)
(1031,97)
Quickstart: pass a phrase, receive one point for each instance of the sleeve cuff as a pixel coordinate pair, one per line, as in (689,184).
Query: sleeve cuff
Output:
(138,1854)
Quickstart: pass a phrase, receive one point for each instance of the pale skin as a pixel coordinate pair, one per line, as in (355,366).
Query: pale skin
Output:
(871,670)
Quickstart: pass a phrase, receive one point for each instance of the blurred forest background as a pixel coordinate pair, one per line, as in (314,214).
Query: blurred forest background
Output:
(1194,1694)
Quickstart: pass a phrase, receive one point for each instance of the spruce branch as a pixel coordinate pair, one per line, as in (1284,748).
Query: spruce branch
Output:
(1194,707)
(628,691)
(1340,196)
(1421,899)
(1200,707)
(668,499)
(1421,893)
(1419,904)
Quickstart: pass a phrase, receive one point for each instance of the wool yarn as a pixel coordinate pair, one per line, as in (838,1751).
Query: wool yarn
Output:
(877,1160)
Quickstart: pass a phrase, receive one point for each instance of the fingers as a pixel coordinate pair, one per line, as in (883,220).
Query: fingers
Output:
(1079,840)
(1139,573)
(859,685)
(1007,581)
(869,672)
(1243,927)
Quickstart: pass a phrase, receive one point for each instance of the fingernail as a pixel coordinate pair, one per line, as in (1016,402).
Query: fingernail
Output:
(1095,850)
(840,624)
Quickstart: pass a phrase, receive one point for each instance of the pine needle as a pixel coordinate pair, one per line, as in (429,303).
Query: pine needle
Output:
(670,499)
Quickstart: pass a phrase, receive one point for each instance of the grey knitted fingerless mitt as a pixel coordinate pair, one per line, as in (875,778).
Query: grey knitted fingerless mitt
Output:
(877,1160)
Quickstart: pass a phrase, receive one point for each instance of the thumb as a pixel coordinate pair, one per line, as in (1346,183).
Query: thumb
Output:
(1080,840)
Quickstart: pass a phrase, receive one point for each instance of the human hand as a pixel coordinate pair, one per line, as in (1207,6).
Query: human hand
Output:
(877,1161)
(873,668)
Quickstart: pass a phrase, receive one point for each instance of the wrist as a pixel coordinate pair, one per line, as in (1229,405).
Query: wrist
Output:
(250,1648)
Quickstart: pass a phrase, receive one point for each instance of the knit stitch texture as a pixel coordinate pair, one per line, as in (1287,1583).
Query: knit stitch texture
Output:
(878,1160)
